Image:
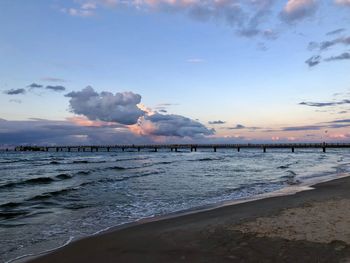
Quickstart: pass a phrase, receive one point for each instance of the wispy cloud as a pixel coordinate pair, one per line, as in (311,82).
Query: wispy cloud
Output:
(218,122)
(325,104)
(343,2)
(313,61)
(343,56)
(336,31)
(237,127)
(15,91)
(35,86)
(55,88)
(195,60)
(51,79)
(15,101)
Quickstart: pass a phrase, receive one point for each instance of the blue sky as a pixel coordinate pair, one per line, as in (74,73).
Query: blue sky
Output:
(192,62)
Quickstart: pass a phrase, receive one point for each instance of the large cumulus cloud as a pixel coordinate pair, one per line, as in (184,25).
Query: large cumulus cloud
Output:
(172,125)
(125,108)
(106,106)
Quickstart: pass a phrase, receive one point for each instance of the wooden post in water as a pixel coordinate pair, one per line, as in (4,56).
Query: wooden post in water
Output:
(292,149)
(264,149)
(123,149)
(214,148)
(138,149)
(238,149)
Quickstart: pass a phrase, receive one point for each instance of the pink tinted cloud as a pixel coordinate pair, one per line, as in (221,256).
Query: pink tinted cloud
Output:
(296,10)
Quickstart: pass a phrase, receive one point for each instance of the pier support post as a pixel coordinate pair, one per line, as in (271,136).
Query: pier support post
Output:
(123,149)
(214,149)
(238,149)
(56,149)
(264,149)
(292,149)
(138,149)
(171,149)
(175,149)
(108,149)
(155,149)
(83,149)
(324,149)
(68,149)
(195,149)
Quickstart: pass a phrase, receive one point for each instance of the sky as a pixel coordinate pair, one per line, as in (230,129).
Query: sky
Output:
(174,71)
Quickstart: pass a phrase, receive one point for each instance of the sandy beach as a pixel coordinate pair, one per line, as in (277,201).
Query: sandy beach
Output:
(310,226)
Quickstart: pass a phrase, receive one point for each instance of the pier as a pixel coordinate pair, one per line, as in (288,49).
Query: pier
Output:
(189,147)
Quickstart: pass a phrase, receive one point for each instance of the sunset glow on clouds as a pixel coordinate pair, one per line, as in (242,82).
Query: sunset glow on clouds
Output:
(143,71)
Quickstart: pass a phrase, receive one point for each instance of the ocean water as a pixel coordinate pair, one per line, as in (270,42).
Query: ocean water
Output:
(48,199)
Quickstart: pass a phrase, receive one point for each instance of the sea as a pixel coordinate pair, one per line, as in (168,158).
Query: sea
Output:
(48,199)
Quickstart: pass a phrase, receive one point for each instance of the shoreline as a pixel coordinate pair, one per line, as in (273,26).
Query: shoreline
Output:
(286,192)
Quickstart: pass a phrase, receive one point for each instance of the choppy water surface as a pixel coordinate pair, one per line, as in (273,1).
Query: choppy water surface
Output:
(47,199)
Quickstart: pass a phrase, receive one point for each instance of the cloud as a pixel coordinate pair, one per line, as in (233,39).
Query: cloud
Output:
(246,17)
(219,122)
(172,125)
(325,104)
(15,101)
(35,86)
(313,61)
(15,91)
(51,79)
(343,2)
(340,121)
(336,31)
(86,9)
(237,127)
(48,132)
(55,88)
(296,10)
(195,60)
(303,128)
(105,106)
(324,45)
(343,56)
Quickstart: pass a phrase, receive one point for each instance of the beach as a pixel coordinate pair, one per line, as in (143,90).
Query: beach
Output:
(309,226)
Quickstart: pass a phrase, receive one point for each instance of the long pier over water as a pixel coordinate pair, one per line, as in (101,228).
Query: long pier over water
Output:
(177,147)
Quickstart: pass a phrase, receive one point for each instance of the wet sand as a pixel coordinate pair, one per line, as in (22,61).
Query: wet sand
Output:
(309,226)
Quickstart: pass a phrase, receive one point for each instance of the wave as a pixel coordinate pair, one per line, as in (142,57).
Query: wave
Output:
(284,166)
(83,172)
(33,181)
(116,168)
(81,161)
(48,195)
(206,159)
(12,214)
(64,176)
(10,205)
